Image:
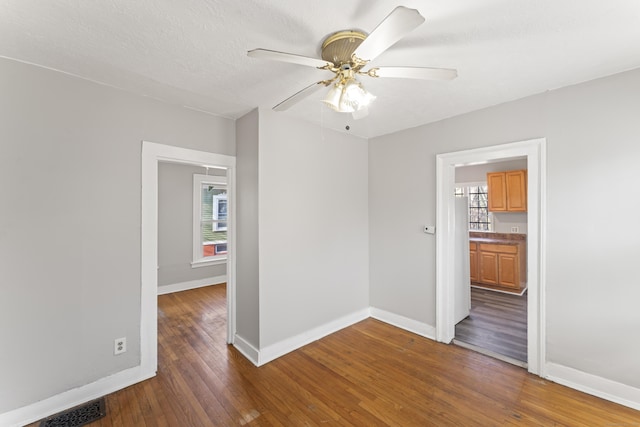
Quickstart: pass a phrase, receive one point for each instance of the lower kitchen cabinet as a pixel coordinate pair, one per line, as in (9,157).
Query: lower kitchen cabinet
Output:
(473,261)
(500,264)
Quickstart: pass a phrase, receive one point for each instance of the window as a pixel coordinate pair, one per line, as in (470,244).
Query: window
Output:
(480,219)
(210,208)
(220,210)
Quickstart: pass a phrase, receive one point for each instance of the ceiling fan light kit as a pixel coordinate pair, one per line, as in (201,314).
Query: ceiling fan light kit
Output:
(347,95)
(348,98)
(346,53)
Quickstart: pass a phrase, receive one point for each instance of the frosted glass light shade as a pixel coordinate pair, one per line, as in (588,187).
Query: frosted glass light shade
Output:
(332,100)
(348,97)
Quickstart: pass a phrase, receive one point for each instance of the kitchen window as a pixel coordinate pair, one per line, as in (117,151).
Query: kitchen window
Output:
(480,219)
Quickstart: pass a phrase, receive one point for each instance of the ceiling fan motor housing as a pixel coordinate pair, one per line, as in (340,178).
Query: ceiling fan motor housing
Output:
(338,47)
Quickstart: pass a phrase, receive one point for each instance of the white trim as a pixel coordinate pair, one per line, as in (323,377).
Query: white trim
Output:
(246,349)
(594,385)
(405,323)
(208,262)
(210,179)
(535,151)
(68,399)
(152,154)
(288,345)
(191,284)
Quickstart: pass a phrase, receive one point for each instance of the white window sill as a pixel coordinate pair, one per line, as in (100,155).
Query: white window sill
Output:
(208,262)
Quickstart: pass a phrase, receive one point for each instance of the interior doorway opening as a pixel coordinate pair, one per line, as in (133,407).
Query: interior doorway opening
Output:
(152,155)
(493,240)
(534,152)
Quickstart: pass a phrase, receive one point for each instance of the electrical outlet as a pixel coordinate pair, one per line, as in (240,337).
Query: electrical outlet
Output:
(515,229)
(119,345)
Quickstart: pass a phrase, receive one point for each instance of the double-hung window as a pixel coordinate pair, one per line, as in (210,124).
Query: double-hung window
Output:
(210,208)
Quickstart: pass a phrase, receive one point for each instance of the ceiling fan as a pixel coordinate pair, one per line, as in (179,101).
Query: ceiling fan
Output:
(346,54)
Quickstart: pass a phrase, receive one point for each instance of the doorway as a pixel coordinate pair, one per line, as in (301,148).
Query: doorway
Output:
(535,153)
(494,321)
(152,154)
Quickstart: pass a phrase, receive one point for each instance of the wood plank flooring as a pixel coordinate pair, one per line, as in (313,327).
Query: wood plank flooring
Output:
(369,374)
(497,322)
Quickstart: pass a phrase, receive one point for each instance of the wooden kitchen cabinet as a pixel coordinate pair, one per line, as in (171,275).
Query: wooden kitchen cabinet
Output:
(488,267)
(507,191)
(508,270)
(473,261)
(500,264)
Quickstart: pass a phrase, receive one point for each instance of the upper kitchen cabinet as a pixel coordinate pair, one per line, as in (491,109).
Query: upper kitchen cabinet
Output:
(507,191)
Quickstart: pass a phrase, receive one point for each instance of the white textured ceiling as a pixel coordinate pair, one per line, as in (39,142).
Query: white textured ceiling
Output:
(193,52)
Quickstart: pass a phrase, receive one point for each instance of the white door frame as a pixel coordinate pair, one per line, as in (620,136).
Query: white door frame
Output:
(152,154)
(535,152)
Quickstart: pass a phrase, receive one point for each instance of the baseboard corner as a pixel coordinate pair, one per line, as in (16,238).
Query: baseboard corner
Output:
(246,349)
(402,322)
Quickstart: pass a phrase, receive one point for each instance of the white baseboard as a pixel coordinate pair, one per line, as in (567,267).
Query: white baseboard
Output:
(594,385)
(405,323)
(74,397)
(191,284)
(247,350)
(288,345)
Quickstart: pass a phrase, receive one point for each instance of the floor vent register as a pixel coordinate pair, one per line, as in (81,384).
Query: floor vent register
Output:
(78,416)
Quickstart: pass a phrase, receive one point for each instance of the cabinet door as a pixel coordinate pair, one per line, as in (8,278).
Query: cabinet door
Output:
(497,191)
(473,265)
(488,267)
(516,185)
(508,272)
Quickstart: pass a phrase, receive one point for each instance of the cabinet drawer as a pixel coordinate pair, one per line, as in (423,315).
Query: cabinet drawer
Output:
(505,249)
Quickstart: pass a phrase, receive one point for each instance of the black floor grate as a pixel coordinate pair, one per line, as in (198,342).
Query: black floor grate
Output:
(78,416)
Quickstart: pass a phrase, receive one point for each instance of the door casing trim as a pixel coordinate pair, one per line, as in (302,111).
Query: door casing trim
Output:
(535,152)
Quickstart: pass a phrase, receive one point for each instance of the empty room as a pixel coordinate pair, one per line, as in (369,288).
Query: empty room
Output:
(174,162)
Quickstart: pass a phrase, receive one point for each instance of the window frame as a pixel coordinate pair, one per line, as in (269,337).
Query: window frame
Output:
(465,186)
(197,259)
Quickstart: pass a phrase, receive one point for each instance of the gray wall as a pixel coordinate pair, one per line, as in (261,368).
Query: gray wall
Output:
(313,234)
(302,214)
(70,176)
(593,135)
(175,222)
(478,173)
(247,256)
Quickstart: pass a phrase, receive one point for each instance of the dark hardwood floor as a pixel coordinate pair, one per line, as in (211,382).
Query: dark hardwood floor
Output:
(498,322)
(369,374)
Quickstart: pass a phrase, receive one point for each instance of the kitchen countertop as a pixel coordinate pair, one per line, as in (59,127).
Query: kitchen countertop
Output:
(501,241)
(497,236)
(501,238)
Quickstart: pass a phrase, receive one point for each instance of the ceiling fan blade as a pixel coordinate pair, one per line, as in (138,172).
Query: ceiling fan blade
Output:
(288,57)
(299,96)
(424,73)
(400,22)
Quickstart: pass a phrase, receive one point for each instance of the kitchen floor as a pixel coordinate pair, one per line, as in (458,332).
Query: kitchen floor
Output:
(497,322)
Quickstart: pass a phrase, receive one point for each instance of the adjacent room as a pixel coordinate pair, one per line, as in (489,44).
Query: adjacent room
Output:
(176,161)
(495,289)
